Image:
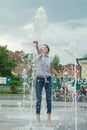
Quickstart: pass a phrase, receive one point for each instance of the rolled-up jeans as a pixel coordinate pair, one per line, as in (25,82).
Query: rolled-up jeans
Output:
(40,83)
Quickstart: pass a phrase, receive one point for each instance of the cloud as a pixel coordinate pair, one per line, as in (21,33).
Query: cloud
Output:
(28,26)
(12,44)
(61,35)
(57,35)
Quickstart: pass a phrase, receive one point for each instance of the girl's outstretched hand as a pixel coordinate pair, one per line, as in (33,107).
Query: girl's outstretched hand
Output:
(36,42)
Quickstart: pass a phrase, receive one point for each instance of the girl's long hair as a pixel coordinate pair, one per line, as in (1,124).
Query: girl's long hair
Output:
(40,56)
(47,47)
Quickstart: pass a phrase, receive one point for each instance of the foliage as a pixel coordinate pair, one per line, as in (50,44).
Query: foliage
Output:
(5,92)
(56,63)
(13,86)
(7,64)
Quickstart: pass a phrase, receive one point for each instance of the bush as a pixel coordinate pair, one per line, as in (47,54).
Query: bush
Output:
(13,86)
(5,92)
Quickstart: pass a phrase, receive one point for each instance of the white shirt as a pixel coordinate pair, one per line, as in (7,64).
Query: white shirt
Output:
(43,66)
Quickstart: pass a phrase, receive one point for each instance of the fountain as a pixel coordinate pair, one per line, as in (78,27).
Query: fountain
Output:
(60,116)
(25,84)
(63,116)
(40,23)
(65,86)
(71,50)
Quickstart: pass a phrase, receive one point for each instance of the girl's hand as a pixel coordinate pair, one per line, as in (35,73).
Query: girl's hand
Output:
(36,42)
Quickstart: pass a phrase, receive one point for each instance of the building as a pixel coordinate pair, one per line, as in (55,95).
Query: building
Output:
(82,62)
(70,70)
(20,63)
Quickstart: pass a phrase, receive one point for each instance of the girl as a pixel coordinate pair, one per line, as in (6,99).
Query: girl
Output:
(43,79)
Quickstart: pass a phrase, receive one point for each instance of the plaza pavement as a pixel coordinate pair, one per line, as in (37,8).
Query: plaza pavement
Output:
(17,113)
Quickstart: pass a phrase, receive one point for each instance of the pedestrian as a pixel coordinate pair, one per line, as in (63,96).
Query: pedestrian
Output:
(43,79)
(82,93)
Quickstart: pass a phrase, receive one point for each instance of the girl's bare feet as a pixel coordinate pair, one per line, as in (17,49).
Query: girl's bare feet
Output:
(49,120)
(38,119)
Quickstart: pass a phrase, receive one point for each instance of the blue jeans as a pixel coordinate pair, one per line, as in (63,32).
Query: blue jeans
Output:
(40,83)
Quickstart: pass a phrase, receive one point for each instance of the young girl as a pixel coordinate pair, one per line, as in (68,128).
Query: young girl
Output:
(43,79)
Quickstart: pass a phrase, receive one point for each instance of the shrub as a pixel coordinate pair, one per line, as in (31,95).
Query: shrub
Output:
(5,92)
(13,86)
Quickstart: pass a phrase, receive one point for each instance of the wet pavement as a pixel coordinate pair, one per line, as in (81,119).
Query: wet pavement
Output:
(16,113)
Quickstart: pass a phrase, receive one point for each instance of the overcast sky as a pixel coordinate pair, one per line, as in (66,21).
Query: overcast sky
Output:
(67,23)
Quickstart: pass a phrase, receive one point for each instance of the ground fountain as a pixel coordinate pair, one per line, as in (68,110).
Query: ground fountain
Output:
(14,118)
(39,22)
(25,85)
(72,51)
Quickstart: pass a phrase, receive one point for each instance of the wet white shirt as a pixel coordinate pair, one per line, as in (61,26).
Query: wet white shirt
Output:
(43,66)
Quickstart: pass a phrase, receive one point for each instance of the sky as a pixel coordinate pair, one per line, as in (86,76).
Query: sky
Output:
(65,32)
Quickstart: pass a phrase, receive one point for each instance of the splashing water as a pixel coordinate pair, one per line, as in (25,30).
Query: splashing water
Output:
(40,22)
(25,84)
(72,51)
(72,48)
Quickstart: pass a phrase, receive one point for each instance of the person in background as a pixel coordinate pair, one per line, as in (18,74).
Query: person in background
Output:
(82,93)
(43,79)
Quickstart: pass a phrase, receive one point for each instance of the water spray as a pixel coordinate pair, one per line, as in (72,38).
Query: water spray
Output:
(71,50)
(40,22)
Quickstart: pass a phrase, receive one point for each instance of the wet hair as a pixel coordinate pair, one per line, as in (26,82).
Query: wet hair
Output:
(41,50)
(47,47)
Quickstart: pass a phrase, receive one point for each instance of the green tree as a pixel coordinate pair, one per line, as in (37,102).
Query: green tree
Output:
(7,64)
(13,86)
(56,63)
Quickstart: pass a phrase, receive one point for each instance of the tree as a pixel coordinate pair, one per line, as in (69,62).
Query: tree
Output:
(56,63)
(7,64)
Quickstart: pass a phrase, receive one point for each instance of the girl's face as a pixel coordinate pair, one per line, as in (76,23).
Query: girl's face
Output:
(45,49)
